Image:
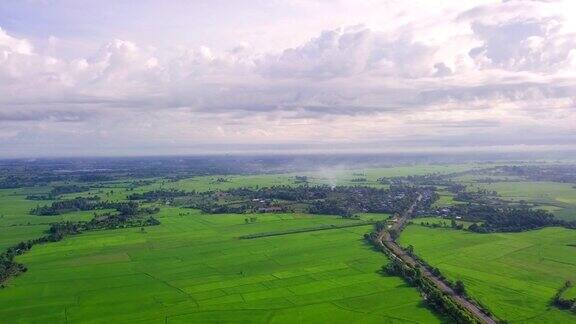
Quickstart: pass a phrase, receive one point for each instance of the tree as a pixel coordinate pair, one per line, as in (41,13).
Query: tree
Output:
(459,288)
(410,249)
(394,234)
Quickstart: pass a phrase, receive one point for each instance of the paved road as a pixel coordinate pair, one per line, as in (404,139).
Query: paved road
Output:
(385,240)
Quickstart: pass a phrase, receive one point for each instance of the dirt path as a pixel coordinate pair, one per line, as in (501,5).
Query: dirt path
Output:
(384,240)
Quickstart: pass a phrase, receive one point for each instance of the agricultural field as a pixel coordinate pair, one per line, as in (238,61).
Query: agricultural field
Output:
(558,198)
(14,207)
(514,274)
(193,267)
(287,161)
(295,267)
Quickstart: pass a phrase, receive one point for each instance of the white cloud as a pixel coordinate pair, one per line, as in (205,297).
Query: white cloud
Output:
(9,44)
(461,75)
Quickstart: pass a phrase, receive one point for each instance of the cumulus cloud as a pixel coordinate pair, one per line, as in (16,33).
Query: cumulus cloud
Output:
(481,75)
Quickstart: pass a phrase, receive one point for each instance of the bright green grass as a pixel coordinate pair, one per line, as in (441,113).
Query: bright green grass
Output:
(514,274)
(11,235)
(194,269)
(14,207)
(570,293)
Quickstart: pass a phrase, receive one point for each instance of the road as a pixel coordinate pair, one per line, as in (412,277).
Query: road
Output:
(386,241)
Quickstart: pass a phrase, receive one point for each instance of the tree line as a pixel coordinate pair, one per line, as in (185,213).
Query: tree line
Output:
(85,204)
(57,191)
(518,220)
(434,298)
(159,195)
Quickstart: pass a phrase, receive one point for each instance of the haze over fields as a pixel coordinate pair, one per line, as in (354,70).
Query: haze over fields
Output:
(182,77)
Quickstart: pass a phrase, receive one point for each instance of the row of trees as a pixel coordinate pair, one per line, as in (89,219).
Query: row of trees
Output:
(329,207)
(518,220)
(159,195)
(57,191)
(68,205)
(9,267)
(85,204)
(489,218)
(415,276)
(435,298)
(453,224)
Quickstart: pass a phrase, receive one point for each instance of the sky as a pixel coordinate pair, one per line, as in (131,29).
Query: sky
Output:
(100,78)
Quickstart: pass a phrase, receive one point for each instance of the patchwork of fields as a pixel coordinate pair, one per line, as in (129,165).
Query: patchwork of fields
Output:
(193,268)
(558,198)
(514,274)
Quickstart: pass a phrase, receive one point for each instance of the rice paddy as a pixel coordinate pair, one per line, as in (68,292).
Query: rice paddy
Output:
(514,274)
(194,268)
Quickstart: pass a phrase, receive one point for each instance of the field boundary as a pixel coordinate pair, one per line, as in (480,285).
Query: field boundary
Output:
(304,230)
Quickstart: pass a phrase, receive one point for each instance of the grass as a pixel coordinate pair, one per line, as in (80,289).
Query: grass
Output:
(570,293)
(10,235)
(514,274)
(445,199)
(193,268)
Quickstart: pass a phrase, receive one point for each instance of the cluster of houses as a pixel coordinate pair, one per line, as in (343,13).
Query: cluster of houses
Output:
(266,206)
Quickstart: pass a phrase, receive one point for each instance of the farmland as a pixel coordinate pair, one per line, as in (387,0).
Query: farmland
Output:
(288,161)
(559,198)
(279,267)
(194,267)
(514,274)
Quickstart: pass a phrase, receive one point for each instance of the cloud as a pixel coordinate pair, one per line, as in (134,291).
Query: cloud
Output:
(486,74)
(9,44)
(352,51)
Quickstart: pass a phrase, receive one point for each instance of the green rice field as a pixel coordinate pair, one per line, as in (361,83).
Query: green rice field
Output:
(194,268)
(514,274)
(558,198)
